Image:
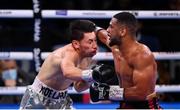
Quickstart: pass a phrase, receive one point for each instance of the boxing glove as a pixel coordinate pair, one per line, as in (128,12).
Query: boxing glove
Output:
(100,73)
(102,91)
(103,73)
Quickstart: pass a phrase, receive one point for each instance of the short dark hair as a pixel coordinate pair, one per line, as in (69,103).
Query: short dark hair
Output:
(78,27)
(129,20)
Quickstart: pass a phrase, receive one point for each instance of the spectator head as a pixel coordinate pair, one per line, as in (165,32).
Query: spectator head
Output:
(9,72)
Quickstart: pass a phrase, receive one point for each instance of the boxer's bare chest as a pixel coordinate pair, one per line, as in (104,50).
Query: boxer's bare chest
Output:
(123,69)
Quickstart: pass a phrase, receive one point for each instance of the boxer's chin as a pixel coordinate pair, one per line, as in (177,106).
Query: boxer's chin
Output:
(114,41)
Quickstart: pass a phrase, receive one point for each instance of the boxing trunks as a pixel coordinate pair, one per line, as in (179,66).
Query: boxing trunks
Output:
(40,96)
(150,103)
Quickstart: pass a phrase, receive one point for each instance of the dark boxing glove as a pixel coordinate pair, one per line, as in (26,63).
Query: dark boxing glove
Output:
(99,92)
(104,74)
(102,91)
(101,73)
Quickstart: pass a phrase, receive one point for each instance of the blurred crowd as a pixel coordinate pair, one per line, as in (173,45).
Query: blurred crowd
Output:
(11,76)
(94,4)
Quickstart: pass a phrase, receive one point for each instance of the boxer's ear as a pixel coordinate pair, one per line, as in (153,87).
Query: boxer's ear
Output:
(75,44)
(123,31)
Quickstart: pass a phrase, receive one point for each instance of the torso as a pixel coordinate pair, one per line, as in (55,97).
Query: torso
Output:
(50,72)
(123,70)
(124,65)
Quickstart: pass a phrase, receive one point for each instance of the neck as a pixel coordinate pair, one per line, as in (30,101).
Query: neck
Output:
(127,45)
(78,55)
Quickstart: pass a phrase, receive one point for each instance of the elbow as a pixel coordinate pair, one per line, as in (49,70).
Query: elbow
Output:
(81,86)
(78,90)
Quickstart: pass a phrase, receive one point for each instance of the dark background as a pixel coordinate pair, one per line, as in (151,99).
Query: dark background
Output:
(17,34)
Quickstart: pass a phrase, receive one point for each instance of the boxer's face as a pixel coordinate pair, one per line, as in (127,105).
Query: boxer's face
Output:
(88,45)
(114,31)
(113,28)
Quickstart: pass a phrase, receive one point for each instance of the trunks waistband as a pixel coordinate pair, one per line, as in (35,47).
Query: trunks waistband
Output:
(46,91)
(146,104)
(151,96)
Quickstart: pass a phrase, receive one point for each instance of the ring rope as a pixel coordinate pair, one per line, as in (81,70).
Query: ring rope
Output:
(21,89)
(98,56)
(93,14)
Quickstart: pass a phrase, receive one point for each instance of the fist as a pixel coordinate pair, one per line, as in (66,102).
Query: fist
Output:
(103,73)
(99,91)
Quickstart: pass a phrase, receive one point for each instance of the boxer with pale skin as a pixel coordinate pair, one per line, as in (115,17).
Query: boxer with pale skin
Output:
(61,68)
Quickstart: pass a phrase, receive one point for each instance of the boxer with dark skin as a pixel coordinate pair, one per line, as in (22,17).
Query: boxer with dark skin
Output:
(134,62)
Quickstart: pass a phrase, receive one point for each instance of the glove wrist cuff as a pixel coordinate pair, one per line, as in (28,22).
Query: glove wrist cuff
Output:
(116,93)
(87,75)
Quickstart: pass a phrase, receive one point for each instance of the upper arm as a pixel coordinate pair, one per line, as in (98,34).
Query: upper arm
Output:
(67,63)
(69,68)
(144,74)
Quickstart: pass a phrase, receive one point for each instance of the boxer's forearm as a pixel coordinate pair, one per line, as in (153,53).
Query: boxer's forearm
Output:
(102,35)
(134,92)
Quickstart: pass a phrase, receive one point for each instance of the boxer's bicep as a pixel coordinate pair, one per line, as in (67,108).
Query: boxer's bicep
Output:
(142,79)
(143,75)
(69,68)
